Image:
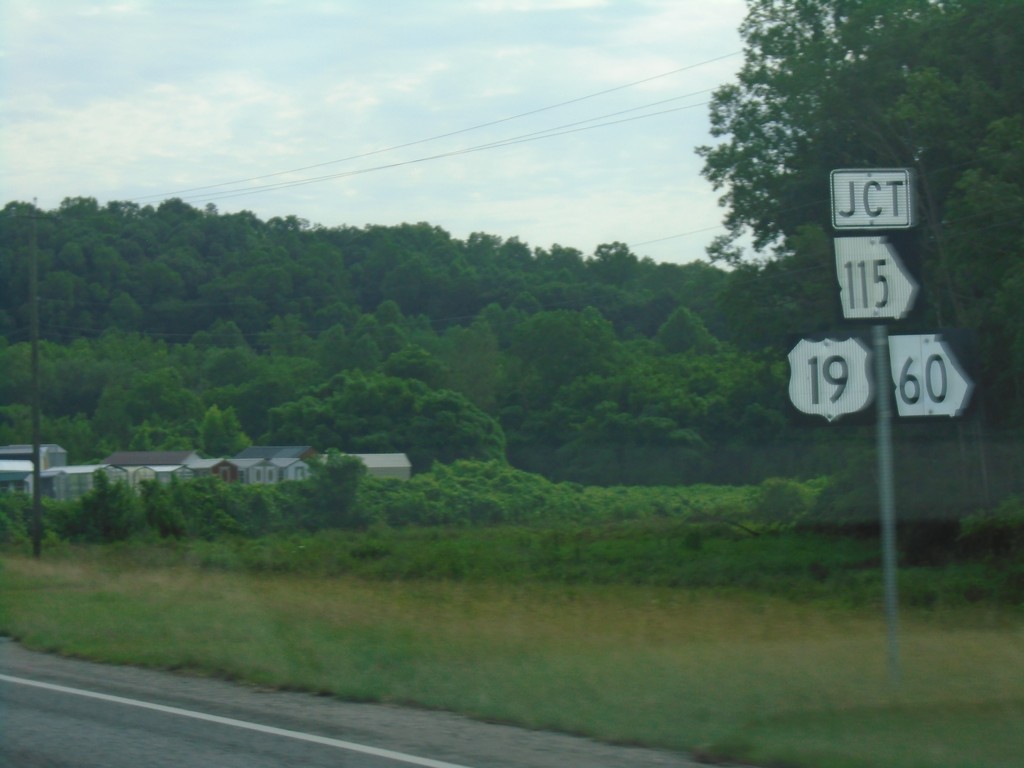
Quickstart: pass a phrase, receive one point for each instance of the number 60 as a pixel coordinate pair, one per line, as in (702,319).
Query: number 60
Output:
(936,381)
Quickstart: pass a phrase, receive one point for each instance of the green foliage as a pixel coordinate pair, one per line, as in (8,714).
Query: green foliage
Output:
(782,501)
(471,493)
(109,512)
(160,513)
(376,413)
(220,433)
(827,84)
(328,499)
(998,534)
(189,328)
(15,513)
(654,552)
(684,332)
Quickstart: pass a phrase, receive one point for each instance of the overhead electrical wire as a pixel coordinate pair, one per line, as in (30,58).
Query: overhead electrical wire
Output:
(449,134)
(524,138)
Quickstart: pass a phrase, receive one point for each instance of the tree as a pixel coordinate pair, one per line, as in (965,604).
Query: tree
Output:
(109,512)
(328,499)
(852,83)
(684,332)
(360,413)
(932,85)
(554,348)
(220,432)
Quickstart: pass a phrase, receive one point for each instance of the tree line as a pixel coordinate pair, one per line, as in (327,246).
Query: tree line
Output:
(610,368)
(173,326)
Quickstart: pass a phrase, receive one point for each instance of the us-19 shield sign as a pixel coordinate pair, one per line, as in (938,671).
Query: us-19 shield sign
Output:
(829,377)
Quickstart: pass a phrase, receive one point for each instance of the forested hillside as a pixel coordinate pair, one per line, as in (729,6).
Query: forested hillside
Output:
(172,326)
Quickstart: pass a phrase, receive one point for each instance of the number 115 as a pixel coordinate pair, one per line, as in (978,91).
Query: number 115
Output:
(860,270)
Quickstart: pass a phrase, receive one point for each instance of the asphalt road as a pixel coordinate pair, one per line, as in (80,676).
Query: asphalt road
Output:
(64,713)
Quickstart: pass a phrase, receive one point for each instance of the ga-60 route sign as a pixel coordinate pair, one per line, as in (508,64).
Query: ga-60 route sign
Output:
(829,377)
(873,283)
(877,198)
(927,377)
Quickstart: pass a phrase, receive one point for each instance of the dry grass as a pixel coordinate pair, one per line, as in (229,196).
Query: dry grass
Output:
(738,675)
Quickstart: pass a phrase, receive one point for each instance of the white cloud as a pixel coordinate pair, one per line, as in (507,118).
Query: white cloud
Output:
(530,6)
(144,97)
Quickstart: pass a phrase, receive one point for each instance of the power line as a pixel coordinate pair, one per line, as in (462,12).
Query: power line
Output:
(443,135)
(524,138)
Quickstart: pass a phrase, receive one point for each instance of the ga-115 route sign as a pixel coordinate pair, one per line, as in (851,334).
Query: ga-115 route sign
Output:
(829,377)
(873,283)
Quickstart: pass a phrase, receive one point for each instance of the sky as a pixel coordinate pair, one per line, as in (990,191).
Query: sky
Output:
(570,122)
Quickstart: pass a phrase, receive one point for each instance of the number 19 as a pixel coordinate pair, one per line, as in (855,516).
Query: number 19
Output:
(835,371)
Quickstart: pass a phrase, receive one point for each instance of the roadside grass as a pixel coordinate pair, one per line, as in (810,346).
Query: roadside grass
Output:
(733,674)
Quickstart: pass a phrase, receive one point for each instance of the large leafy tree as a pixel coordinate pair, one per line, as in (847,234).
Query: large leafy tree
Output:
(933,85)
(360,413)
(850,83)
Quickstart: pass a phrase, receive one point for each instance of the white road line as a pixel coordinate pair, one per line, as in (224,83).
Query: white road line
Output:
(424,762)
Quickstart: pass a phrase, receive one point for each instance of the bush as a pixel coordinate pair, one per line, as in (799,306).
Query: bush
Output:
(999,534)
(15,513)
(109,512)
(328,499)
(782,502)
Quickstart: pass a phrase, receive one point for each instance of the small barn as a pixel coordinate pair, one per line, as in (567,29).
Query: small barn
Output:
(277,452)
(15,475)
(394,466)
(50,454)
(151,458)
(71,482)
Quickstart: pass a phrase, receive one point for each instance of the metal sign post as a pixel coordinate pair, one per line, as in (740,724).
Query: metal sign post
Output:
(887,501)
(829,377)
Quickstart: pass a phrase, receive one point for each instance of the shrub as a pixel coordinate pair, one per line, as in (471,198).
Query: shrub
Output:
(109,512)
(160,512)
(15,511)
(782,502)
(997,534)
(328,499)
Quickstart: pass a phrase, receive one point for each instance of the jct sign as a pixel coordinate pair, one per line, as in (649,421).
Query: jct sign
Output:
(872,199)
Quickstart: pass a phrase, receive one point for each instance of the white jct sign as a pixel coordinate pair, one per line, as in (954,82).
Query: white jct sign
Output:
(829,377)
(927,377)
(880,198)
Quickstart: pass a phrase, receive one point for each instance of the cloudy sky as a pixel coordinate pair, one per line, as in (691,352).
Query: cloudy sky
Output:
(554,121)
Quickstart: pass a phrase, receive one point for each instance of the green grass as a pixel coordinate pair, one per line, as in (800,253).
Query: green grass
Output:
(733,674)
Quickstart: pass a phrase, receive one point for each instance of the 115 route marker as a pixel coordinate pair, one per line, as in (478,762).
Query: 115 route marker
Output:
(873,283)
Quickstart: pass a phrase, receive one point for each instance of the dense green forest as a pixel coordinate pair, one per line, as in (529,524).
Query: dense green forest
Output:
(173,326)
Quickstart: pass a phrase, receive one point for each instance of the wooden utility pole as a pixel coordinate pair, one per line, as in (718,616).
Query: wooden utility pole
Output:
(37,504)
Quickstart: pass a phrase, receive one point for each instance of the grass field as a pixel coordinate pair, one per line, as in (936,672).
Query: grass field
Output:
(731,674)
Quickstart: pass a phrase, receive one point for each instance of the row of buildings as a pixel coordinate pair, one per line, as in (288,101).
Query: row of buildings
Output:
(258,464)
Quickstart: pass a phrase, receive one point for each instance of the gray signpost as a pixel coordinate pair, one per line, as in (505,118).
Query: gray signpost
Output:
(829,377)
(874,285)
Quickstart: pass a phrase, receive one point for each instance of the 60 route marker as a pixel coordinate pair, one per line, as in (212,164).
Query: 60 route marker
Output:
(873,283)
(927,376)
(830,377)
